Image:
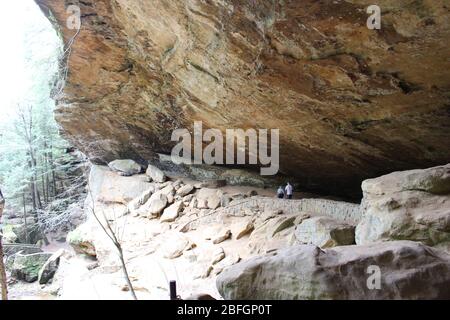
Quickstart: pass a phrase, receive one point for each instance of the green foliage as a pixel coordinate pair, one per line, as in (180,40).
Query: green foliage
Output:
(36,172)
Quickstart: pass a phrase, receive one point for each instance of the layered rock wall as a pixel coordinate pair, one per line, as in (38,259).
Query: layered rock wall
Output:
(351,103)
(340,210)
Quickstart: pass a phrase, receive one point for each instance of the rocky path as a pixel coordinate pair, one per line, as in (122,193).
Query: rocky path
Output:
(183,230)
(198,235)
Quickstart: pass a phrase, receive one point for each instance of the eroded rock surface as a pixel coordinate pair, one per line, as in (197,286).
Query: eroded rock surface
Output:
(195,245)
(26,266)
(125,167)
(409,270)
(410,205)
(325,232)
(351,103)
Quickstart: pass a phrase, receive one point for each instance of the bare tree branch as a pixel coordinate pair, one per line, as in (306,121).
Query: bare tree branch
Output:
(112,235)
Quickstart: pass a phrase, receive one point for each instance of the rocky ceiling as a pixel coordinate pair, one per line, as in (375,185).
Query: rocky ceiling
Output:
(350,102)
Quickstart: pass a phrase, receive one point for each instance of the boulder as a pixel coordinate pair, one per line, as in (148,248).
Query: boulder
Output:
(90,239)
(26,267)
(18,233)
(325,232)
(223,235)
(9,236)
(211,198)
(218,255)
(272,234)
(175,247)
(242,228)
(185,190)
(202,204)
(107,187)
(125,167)
(171,213)
(167,190)
(187,199)
(177,184)
(214,202)
(48,270)
(156,206)
(389,270)
(410,205)
(82,241)
(156,174)
(137,202)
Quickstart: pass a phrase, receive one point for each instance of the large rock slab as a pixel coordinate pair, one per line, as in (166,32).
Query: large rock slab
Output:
(125,167)
(185,190)
(157,203)
(242,228)
(171,213)
(325,232)
(409,205)
(156,174)
(26,267)
(156,206)
(82,240)
(21,233)
(408,270)
(91,240)
(107,187)
(273,232)
(48,270)
(175,246)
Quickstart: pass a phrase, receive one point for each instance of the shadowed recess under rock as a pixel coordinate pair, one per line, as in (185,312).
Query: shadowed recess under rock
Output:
(351,103)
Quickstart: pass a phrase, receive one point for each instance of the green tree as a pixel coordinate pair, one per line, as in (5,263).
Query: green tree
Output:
(39,177)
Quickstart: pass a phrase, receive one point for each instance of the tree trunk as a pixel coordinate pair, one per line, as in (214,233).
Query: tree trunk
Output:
(44,194)
(52,165)
(3,281)
(25,218)
(32,187)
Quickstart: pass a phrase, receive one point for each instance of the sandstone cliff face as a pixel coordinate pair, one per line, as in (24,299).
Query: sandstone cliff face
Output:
(350,102)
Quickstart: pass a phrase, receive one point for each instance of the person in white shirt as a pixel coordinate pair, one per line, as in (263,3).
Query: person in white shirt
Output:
(289,191)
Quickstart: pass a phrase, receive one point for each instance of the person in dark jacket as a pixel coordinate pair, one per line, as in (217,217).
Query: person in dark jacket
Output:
(280,193)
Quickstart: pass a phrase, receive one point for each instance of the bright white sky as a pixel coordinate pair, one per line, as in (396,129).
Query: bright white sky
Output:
(16,19)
